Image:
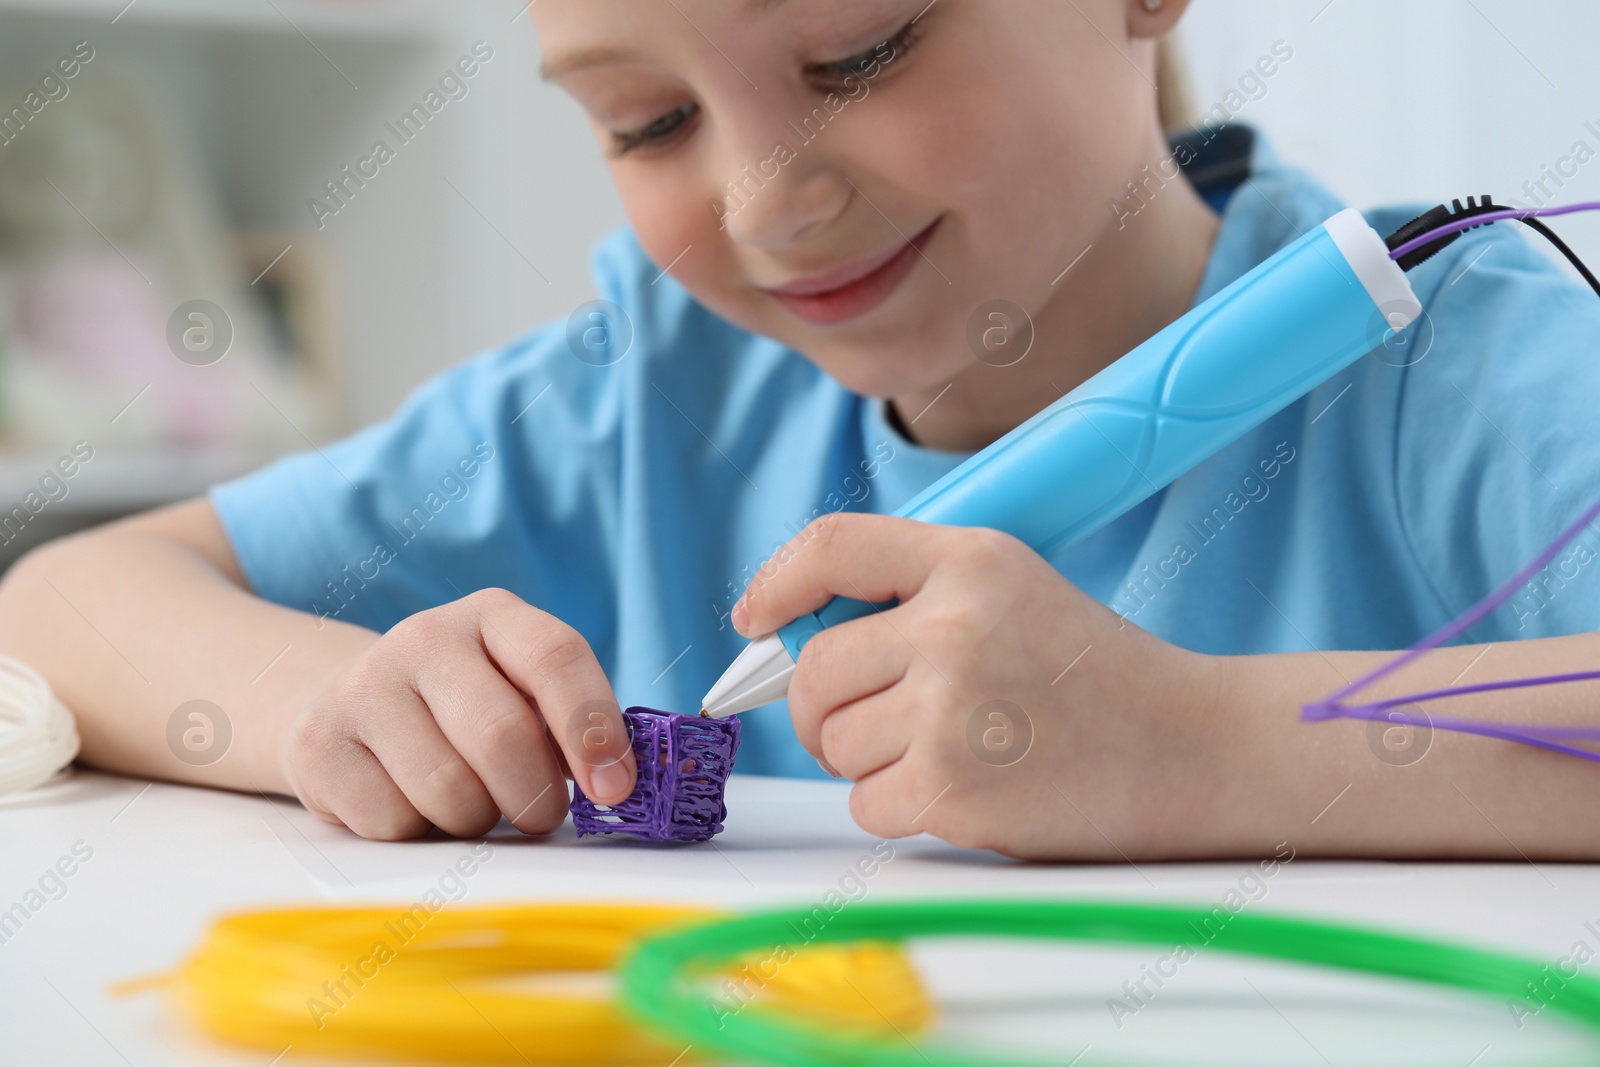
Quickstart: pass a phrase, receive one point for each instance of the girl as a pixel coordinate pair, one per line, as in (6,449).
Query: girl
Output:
(831,200)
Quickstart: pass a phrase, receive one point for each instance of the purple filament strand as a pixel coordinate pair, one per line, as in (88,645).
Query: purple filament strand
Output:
(1332,707)
(1467,223)
(1498,731)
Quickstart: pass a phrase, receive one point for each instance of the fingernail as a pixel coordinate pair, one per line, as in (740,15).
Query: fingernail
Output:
(741,615)
(825,766)
(611,780)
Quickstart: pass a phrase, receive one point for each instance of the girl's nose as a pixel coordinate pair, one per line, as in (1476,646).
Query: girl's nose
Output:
(781,194)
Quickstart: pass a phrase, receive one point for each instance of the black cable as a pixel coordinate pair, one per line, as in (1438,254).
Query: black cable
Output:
(1561,246)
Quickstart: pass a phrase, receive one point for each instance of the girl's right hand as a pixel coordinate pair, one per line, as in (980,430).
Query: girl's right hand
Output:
(457,715)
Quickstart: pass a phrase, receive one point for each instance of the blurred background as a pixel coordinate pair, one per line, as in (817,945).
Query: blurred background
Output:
(197,178)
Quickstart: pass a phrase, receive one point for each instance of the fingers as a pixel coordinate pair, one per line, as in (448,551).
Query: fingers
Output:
(435,779)
(388,770)
(475,723)
(553,665)
(342,781)
(895,802)
(460,714)
(839,666)
(863,557)
(865,737)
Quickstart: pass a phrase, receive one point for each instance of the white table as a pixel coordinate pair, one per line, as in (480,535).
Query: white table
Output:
(166,858)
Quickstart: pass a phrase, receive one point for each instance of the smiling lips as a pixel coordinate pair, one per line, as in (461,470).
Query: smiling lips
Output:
(854,289)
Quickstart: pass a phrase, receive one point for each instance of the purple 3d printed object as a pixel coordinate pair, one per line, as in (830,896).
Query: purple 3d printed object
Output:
(684,762)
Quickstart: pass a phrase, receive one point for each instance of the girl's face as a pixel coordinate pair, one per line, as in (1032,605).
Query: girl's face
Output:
(857,178)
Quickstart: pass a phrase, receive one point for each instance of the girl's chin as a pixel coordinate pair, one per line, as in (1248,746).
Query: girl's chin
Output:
(905,365)
(866,376)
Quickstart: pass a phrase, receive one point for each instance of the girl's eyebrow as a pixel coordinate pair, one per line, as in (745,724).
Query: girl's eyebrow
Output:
(600,55)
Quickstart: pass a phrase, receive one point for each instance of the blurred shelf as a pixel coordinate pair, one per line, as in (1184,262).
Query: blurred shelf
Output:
(436,260)
(120,482)
(352,18)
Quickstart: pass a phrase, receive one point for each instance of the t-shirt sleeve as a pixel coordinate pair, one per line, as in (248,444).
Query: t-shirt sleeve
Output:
(500,472)
(1496,450)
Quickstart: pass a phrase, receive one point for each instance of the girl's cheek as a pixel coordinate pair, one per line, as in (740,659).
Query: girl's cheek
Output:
(669,215)
(676,224)
(664,213)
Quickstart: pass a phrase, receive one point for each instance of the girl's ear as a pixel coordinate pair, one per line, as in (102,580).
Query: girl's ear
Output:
(1153,18)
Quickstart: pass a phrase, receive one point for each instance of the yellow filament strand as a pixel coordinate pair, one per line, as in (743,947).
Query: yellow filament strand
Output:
(497,984)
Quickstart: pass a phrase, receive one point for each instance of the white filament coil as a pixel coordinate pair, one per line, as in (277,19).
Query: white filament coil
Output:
(38,736)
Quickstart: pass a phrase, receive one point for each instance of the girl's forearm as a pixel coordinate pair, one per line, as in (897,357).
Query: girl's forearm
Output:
(1349,787)
(130,621)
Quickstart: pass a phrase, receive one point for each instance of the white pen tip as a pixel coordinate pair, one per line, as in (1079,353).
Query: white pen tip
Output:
(759,675)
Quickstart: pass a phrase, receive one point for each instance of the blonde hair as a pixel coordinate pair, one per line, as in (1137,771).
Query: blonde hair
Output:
(1174,101)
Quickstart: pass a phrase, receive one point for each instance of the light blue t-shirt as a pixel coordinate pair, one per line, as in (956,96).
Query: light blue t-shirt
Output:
(634,500)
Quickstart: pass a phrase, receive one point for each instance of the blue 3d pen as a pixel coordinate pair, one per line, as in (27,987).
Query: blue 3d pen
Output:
(1193,388)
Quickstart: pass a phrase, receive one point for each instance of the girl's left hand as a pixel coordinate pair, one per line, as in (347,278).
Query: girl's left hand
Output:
(996,705)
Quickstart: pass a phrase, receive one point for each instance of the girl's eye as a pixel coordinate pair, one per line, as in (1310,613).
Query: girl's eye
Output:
(865,64)
(657,133)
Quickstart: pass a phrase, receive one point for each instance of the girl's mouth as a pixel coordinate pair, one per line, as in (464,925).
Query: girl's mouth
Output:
(850,291)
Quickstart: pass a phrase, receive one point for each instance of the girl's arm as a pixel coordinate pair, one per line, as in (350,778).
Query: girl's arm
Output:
(452,718)
(131,620)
